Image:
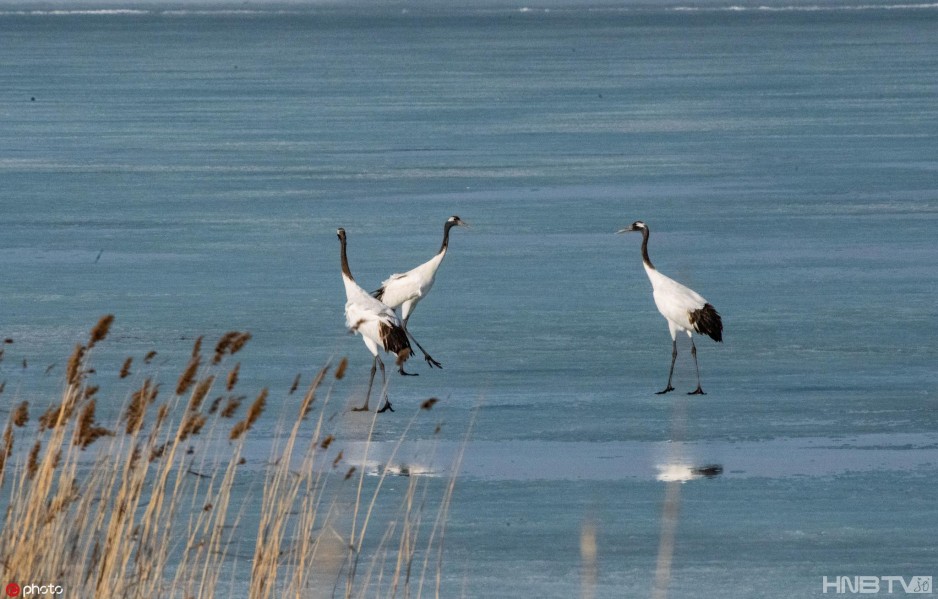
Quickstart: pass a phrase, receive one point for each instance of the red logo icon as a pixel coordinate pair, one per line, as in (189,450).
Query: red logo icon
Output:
(13,590)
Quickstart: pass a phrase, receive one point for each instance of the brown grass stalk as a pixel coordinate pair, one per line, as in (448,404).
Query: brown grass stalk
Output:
(275,511)
(187,378)
(100,330)
(233,377)
(20,415)
(254,412)
(141,507)
(200,391)
(125,369)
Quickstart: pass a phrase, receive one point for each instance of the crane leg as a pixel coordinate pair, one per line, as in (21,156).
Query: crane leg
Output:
(403,372)
(426,356)
(384,387)
(400,367)
(693,352)
(671,372)
(374,368)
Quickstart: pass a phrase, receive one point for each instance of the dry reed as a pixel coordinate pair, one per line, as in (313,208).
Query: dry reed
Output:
(234,402)
(254,412)
(233,377)
(100,330)
(188,375)
(340,369)
(20,415)
(125,369)
(145,508)
(201,390)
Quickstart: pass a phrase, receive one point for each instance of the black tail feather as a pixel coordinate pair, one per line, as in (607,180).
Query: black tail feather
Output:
(378,293)
(395,341)
(707,321)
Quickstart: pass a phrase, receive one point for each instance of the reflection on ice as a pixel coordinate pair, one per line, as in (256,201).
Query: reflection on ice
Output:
(524,460)
(675,473)
(400,470)
(685,472)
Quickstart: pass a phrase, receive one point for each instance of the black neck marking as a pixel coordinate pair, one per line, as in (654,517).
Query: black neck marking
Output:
(446,227)
(645,258)
(345,269)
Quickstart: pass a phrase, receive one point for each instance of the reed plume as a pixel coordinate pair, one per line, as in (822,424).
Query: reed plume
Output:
(188,375)
(215,403)
(88,431)
(73,373)
(310,396)
(20,415)
(125,369)
(161,413)
(233,377)
(32,462)
(192,425)
(234,402)
(238,343)
(254,412)
(157,452)
(140,400)
(48,418)
(340,369)
(201,390)
(197,346)
(100,330)
(230,343)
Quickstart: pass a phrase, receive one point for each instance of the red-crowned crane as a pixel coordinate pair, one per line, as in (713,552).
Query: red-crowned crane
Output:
(683,308)
(405,290)
(378,325)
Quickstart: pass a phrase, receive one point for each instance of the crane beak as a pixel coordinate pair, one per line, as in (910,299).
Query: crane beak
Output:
(628,229)
(463,223)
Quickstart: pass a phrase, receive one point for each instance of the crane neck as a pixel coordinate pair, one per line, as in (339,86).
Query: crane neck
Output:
(345,268)
(445,243)
(645,257)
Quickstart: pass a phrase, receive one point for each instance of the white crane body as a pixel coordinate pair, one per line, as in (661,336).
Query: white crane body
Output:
(676,302)
(405,290)
(378,325)
(683,308)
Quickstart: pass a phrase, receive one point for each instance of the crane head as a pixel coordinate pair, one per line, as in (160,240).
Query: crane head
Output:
(636,226)
(455,221)
(341,233)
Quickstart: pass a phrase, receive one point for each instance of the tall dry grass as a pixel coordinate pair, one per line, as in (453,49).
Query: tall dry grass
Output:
(132,509)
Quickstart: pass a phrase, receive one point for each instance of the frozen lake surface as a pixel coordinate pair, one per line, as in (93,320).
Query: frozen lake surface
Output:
(186,170)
